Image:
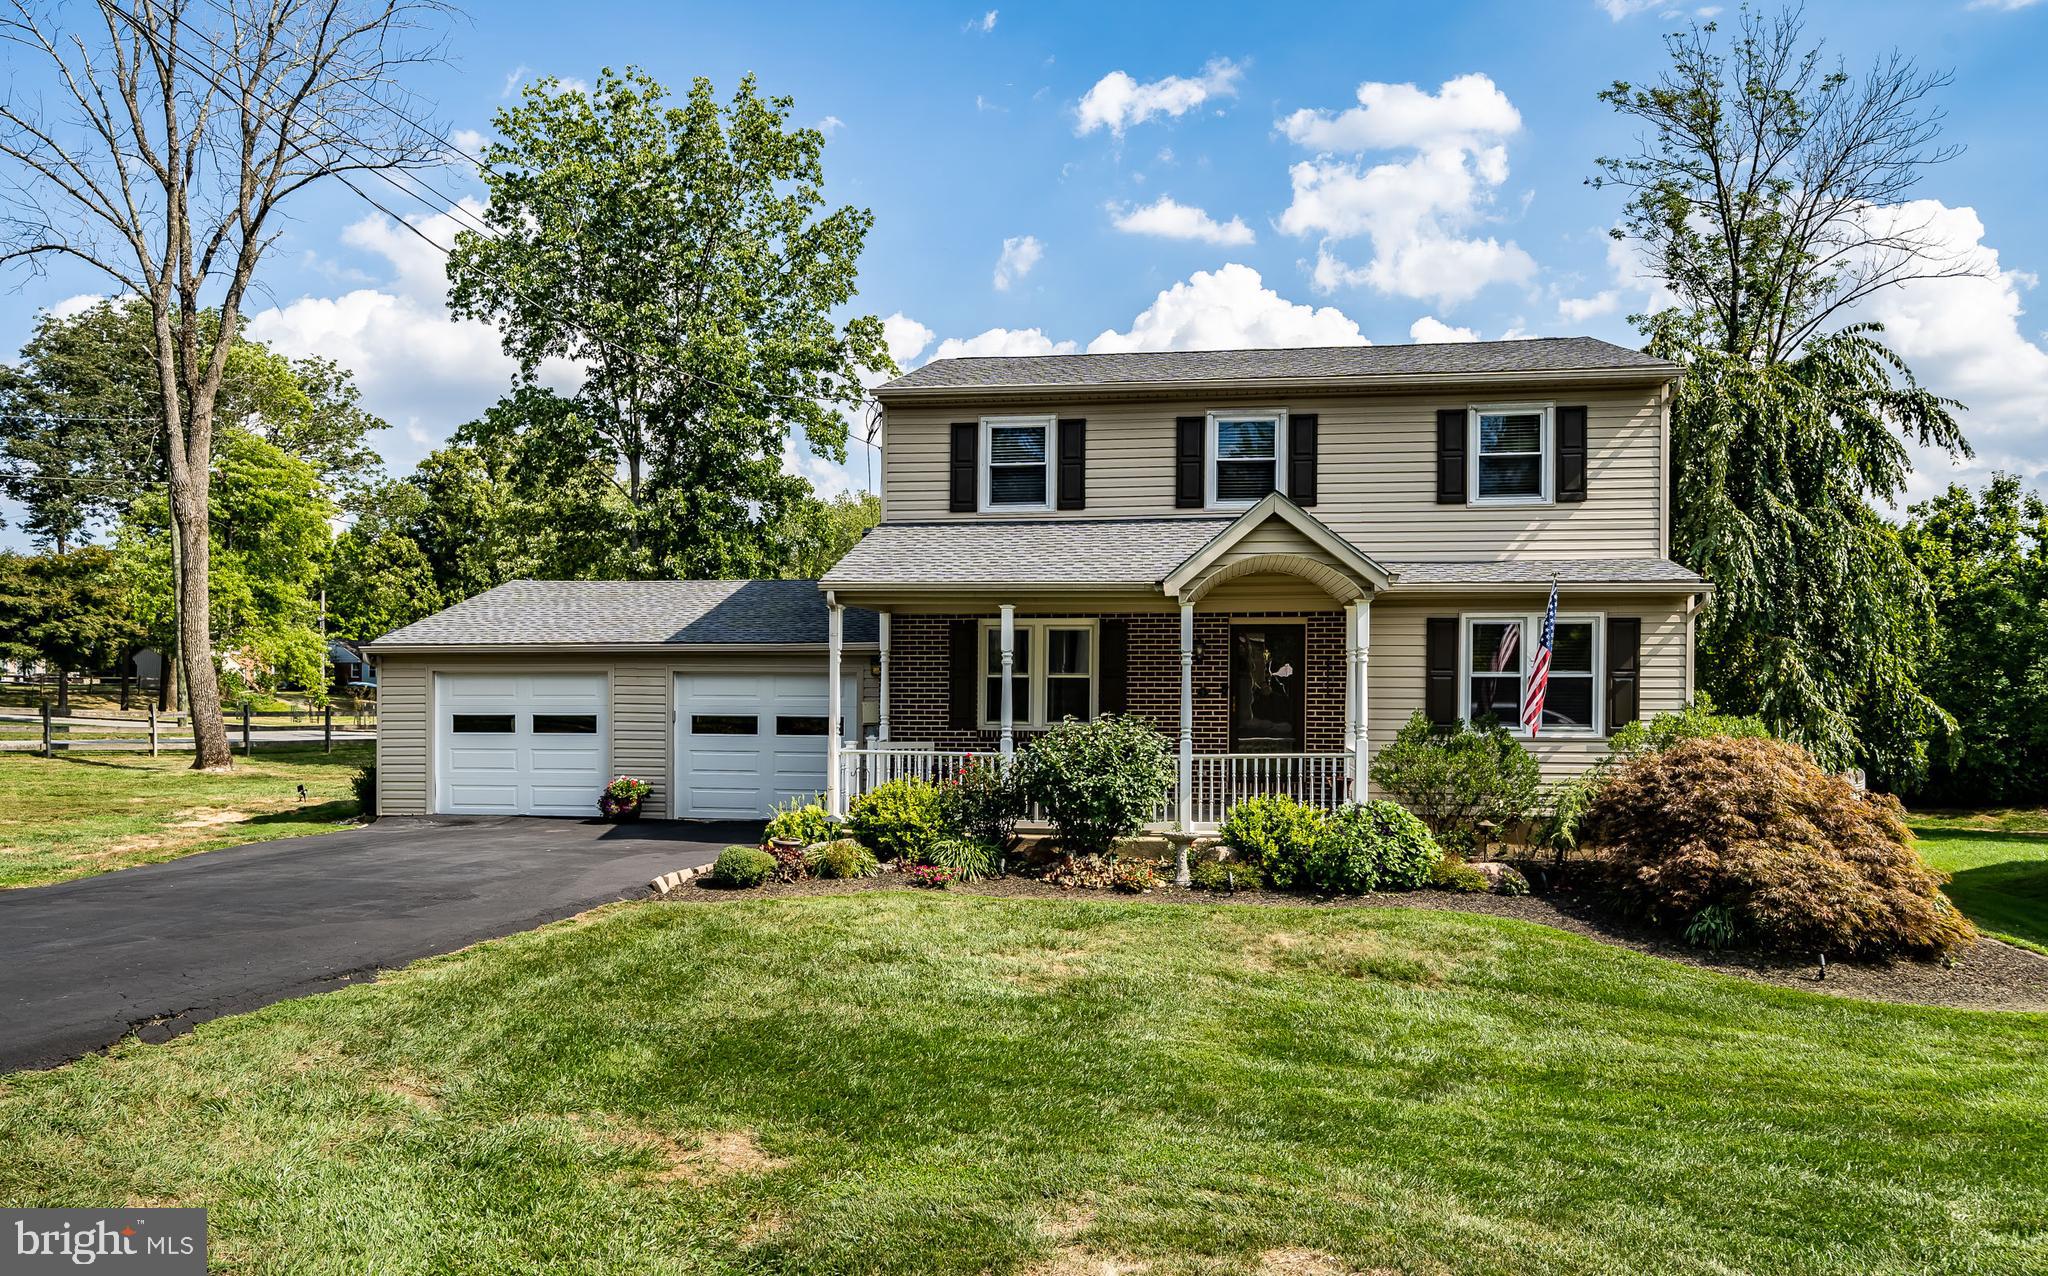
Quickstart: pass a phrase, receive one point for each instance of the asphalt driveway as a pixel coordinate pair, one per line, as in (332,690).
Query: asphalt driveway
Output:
(156,949)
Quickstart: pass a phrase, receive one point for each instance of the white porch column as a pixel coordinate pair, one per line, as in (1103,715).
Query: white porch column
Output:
(1008,745)
(835,629)
(1186,813)
(1361,663)
(882,727)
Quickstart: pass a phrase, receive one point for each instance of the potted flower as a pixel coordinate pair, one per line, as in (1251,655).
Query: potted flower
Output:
(622,798)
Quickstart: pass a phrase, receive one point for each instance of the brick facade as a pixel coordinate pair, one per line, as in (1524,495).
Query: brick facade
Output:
(920,677)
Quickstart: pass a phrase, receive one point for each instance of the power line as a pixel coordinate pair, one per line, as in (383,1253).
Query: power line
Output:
(454,209)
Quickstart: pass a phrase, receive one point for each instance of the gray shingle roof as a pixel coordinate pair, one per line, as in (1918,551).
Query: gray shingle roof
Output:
(635,613)
(1572,571)
(1535,355)
(1078,551)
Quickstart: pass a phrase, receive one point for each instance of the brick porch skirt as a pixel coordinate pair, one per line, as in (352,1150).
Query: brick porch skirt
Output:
(920,677)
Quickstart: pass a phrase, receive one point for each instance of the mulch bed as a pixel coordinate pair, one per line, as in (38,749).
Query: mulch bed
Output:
(1989,975)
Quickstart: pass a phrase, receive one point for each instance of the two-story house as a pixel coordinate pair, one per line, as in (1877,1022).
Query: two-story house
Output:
(1277,556)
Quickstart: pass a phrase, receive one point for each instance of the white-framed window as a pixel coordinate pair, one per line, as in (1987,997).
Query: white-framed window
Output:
(1016,462)
(1508,451)
(1247,457)
(1498,649)
(1052,672)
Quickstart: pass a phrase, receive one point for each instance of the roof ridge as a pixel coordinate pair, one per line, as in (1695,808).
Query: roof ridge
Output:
(1357,345)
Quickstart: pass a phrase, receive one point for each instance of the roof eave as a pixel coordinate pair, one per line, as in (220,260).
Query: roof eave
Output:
(600,648)
(1666,588)
(1647,374)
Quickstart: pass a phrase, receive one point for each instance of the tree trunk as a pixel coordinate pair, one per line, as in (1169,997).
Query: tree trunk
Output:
(195,637)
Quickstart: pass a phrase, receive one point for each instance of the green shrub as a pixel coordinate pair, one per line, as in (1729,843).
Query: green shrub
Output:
(987,800)
(1376,845)
(1454,874)
(364,782)
(741,866)
(1275,833)
(1470,785)
(801,820)
(1801,860)
(1697,721)
(1713,927)
(968,859)
(1223,875)
(1097,781)
(900,820)
(843,858)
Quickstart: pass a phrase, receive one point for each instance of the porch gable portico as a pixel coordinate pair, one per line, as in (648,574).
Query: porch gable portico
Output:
(1234,637)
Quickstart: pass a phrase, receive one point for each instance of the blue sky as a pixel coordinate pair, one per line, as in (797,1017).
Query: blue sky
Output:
(1088,176)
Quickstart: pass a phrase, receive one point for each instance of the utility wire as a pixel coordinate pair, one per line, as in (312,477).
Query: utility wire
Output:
(451,207)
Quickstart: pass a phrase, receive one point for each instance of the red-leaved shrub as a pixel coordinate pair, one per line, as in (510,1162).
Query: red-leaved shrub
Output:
(1798,859)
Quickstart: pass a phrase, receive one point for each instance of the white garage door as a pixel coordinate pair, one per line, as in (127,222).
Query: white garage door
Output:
(519,744)
(746,742)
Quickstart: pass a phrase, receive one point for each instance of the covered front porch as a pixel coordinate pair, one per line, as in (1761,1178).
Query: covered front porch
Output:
(1247,643)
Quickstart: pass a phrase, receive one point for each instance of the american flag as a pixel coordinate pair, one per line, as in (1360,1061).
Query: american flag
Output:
(1539,672)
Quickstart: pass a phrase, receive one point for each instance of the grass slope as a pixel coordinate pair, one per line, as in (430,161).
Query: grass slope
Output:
(932,1084)
(84,813)
(1999,878)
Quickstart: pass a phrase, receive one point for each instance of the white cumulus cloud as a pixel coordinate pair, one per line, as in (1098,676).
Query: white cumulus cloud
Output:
(1118,101)
(983,24)
(1168,218)
(1020,253)
(1226,309)
(1003,341)
(1421,212)
(1432,331)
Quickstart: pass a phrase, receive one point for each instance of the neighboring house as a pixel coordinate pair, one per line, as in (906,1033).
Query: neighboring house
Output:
(1277,556)
(349,670)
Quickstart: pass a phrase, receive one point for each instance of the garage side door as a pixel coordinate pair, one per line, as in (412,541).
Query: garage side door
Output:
(747,742)
(520,744)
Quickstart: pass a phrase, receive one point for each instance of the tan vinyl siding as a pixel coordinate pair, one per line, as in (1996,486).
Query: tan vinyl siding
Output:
(402,735)
(643,726)
(1399,663)
(1376,475)
(642,710)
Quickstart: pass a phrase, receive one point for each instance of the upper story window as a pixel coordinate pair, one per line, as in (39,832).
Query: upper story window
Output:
(1017,474)
(1510,451)
(1497,658)
(1245,451)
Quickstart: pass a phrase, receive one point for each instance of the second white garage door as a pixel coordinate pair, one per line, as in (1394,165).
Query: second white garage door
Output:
(520,744)
(747,742)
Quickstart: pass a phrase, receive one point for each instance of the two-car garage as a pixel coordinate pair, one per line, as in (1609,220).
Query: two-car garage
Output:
(528,699)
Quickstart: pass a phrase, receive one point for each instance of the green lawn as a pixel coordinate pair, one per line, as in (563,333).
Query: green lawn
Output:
(1999,871)
(931,1084)
(84,813)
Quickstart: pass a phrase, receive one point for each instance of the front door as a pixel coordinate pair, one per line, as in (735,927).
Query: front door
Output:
(1266,683)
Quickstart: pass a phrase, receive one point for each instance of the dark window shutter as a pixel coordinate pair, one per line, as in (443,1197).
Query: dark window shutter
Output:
(964,657)
(966,467)
(1441,698)
(1571,454)
(1624,664)
(1073,465)
(1450,456)
(1112,679)
(1301,457)
(1189,444)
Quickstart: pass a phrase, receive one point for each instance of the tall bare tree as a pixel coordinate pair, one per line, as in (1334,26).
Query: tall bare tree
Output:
(155,141)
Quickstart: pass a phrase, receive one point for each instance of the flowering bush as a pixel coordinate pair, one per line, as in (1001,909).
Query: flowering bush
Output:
(1793,857)
(929,876)
(622,798)
(986,802)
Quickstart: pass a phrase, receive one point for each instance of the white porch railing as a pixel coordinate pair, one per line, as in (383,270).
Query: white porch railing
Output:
(1220,779)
